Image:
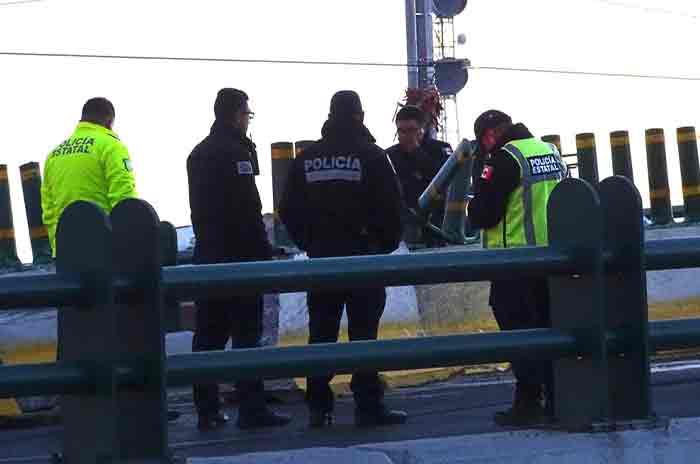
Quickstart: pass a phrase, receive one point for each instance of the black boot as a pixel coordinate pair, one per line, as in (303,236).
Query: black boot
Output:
(527,408)
(211,421)
(379,416)
(260,419)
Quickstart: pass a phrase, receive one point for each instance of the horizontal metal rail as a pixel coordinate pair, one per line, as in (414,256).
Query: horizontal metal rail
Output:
(384,355)
(365,271)
(188,282)
(45,379)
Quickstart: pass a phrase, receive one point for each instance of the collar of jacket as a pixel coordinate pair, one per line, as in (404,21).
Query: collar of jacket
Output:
(346,131)
(516,132)
(235,134)
(96,127)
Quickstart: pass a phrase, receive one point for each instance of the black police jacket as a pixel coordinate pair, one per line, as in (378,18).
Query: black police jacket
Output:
(224,200)
(415,172)
(342,196)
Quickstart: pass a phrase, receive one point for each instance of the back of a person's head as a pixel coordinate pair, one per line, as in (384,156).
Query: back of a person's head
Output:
(228,103)
(98,110)
(346,105)
(411,113)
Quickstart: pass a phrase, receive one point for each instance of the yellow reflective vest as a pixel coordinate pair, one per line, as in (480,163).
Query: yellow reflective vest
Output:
(525,220)
(92,165)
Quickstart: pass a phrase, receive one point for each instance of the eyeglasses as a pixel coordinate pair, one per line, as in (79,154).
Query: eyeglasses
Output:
(407,131)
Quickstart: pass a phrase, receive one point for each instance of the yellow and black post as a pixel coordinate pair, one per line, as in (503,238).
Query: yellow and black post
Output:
(8,247)
(690,171)
(554,139)
(38,234)
(659,191)
(587,157)
(621,154)
(282,158)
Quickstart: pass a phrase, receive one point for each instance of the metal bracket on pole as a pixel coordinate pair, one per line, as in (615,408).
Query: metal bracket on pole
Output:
(575,224)
(142,420)
(87,334)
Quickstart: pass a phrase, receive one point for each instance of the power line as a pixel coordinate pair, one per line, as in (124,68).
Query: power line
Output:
(589,73)
(21,2)
(649,9)
(342,63)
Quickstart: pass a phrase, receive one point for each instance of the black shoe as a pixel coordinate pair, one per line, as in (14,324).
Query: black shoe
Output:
(319,419)
(381,416)
(264,418)
(521,416)
(212,421)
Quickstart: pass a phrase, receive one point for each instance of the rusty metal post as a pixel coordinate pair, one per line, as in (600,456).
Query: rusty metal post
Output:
(621,154)
(38,234)
(8,247)
(659,191)
(587,158)
(690,171)
(282,154)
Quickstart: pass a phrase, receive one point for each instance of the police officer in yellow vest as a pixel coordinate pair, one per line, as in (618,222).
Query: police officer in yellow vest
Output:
(510,205)
(91,165)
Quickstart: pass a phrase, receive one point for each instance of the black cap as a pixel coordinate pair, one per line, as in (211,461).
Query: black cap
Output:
(345,103)
(488,120)
(228,102)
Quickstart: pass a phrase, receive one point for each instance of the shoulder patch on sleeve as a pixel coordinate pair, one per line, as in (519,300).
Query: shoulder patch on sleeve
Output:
(245,168)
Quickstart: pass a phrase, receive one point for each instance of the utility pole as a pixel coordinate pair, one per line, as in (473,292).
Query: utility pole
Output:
(419,35)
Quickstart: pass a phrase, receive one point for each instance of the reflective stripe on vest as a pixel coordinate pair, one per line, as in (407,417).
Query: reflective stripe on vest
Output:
(525,222)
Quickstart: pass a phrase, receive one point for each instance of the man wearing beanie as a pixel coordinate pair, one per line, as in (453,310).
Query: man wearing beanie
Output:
(343,199)
(510,204)
(228,227)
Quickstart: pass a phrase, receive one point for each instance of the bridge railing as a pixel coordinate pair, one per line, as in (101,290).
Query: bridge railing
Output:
(110,288)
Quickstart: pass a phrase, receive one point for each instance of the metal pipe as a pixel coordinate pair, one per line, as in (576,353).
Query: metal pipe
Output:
(587,158)
(411,44)
(46,379)
(690,171)
(434,193)
(454,220)
(363,271)
(621,154)
(385,355)
(674,335)
(680,253)
(8,247)
(659,191)
(40,291)
(38,234)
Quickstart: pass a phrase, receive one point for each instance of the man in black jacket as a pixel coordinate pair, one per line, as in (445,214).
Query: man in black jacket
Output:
(228,227)
(343,199)
(414,166)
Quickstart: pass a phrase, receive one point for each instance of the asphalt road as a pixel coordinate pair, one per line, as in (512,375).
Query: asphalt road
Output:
(463,405)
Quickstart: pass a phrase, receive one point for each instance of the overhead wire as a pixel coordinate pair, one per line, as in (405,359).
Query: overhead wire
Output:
(345,63)
(648,9)
(21,2)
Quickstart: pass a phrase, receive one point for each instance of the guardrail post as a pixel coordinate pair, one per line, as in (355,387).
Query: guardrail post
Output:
(168,245)
(555,140)
(38,234)
(87,333)
(626,299)
(137,257)
(8,247)
(659,191)
(282,154)
(587,159)
(690,172)
(575,224)
(621,154)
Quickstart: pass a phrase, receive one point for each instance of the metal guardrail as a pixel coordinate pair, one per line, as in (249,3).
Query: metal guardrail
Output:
(110,287)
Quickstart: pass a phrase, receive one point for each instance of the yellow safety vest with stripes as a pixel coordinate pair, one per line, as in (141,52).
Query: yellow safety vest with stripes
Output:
(525,220)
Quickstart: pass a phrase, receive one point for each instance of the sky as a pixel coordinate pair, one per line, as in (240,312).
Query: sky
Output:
(164,108)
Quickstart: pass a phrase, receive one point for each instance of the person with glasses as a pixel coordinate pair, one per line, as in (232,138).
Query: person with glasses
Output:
(228,227)
(415,168)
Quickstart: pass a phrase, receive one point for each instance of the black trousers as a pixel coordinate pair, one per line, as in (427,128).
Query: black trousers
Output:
(240,319)
(364,310)
(524,304)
